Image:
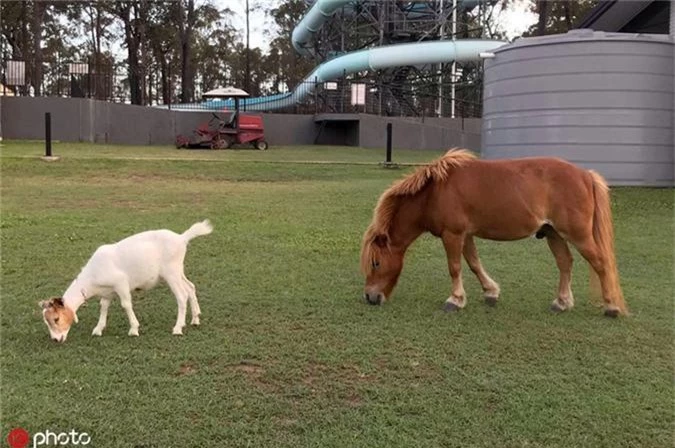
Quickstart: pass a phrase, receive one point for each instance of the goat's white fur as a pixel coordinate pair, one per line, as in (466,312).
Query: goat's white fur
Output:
(138,262)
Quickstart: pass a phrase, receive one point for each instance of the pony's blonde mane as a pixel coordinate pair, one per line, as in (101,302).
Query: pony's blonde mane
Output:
(387,206)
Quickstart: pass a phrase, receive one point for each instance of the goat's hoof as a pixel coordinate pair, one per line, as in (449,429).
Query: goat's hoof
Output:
(133,332)
(491,300)
(612,313)
(195,321)
(97,332)
(178,331)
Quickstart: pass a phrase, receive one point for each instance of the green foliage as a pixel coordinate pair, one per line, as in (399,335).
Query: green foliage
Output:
(285,67)
(558,16)
(287,353)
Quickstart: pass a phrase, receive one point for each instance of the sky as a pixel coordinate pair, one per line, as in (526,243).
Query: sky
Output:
(516,19)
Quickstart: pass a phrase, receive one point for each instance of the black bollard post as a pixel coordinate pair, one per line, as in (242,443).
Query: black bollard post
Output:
(388,163)
(389,128)
(48,134)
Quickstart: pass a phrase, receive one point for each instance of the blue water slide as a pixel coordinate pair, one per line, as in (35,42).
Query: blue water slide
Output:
(303,33)
(322,10)
(418,53)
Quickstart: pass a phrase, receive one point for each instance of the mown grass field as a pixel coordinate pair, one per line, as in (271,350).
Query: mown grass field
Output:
(287,354)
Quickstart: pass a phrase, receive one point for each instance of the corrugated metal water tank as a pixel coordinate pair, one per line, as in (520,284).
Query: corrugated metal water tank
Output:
(601,100)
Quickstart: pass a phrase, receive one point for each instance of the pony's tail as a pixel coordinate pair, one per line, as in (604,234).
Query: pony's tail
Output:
(603,234)
(198,229)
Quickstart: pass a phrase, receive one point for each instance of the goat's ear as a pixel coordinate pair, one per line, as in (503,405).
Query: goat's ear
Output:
(44,304)
(57,302)
(381,240)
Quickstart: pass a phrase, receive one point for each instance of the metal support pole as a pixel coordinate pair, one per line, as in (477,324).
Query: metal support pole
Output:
(48,134)
(389,133)
(441,16)
(316,95)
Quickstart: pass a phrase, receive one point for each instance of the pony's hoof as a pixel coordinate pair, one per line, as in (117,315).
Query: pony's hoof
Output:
(450,307)
(556,308)
(178,331)
(97,332)
(491,301)
(612,313)
(195,321)
(133,332)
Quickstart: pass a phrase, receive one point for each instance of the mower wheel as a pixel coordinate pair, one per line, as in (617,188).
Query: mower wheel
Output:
(261,145)
(220,143)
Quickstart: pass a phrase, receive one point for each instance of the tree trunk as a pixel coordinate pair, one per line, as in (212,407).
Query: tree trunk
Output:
(132,41)
(166,87)
(96,71)
(185,28)
(38,17)
(543,17)
(568,15)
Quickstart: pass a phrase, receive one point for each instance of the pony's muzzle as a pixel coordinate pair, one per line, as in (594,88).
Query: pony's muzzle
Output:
(374,298)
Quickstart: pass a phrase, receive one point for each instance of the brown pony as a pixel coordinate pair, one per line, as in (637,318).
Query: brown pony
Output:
(458,196)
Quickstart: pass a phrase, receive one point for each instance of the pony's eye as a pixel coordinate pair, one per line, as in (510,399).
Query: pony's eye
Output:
(376,264)
(56,320)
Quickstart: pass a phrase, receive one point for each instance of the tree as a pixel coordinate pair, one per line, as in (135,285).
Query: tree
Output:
(215,48)
(558,16)
(132,15)
(287,67)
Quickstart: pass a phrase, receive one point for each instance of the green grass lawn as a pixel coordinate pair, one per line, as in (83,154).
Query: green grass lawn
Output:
(287,353)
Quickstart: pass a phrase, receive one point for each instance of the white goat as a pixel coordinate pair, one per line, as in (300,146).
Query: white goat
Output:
(136,262)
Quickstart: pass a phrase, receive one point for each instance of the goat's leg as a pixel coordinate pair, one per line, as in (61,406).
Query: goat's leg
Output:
(123,292)
(103,317)
(179,289)
(192,299)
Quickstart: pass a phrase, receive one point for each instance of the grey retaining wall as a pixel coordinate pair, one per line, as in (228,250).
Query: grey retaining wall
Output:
(85,120)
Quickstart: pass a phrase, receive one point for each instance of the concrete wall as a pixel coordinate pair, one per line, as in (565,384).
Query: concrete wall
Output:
(85,120)
(409,134)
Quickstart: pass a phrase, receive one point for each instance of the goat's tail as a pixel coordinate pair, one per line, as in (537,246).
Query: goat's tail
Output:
(198,229)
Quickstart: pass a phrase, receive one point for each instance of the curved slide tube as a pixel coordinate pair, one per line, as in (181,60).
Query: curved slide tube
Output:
(322,10)
(369,59)
(418,53)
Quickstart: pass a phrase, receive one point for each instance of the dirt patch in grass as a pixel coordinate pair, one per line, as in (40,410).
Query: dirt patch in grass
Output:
(186,369)
(317,373)
(249,367)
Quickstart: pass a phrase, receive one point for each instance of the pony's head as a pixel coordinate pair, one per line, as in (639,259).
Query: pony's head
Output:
(381,263)
(58,318)
(398,213)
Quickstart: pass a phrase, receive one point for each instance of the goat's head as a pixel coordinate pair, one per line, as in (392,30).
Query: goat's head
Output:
(58,318)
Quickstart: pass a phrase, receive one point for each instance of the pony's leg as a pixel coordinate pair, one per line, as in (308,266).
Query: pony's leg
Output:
(103,317)
(592,253)
(564,260)
(490,287)
(453,248)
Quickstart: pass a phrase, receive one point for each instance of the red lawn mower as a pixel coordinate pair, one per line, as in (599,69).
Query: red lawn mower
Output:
(219,133)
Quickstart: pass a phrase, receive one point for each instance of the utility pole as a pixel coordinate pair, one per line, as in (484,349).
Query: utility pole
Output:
(248,53)
(454,63)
